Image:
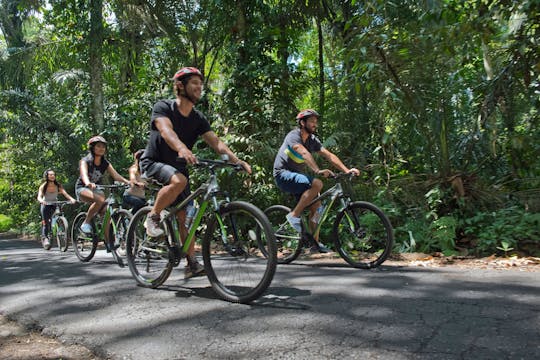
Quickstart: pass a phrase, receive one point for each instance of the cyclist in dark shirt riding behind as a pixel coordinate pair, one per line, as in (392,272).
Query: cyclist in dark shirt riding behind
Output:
(92,168)
(175,126)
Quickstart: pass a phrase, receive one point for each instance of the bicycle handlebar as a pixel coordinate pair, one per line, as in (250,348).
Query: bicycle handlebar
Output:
(213,163)
(343,175)
(60,203)
(115,186)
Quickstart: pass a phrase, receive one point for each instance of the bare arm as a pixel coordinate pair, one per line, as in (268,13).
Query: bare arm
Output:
(220,147)
(83,169)
(336,162)
(165,128)
(310,161)
(66,195)
(133,172)
(116,176)
(40,197)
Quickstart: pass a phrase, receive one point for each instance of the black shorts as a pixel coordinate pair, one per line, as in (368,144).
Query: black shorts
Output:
(163,172)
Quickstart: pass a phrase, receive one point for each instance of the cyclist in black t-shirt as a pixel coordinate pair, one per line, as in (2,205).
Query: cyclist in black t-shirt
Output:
(92,168)
(175,126)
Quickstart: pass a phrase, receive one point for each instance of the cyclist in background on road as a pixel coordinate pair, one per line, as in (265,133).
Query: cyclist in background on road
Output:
(290,170)
(47,194)
(175,126)
(134,196)
(92,168)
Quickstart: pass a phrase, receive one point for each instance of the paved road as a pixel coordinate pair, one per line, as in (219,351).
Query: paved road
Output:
(311,311)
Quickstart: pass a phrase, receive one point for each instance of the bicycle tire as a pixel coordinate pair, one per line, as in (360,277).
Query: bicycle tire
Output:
(118,234)
(148,259)
(84,245)
(239,271)
(363,235)
(288,240)
(62,233)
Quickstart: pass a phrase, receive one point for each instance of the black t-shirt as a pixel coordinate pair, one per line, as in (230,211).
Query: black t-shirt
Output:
(188,130)
(95,172)
(288,159)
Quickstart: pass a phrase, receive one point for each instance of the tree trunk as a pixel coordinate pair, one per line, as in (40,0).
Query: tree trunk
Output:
(96,65)
(321,66)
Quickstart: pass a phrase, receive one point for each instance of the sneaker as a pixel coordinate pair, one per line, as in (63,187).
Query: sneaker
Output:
(152,226)
(46,243)
(194,270)
(86,228)
(319,248)
(295,222)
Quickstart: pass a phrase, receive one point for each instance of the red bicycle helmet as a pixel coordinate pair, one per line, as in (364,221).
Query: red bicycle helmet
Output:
(306,113)
(186,72)
(96,139)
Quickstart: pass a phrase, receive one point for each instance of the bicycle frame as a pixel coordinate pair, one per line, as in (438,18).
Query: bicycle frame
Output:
(207,193)
(107,216)
(334,193)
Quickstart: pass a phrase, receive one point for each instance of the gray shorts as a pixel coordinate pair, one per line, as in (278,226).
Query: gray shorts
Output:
(162,173)
(95,191)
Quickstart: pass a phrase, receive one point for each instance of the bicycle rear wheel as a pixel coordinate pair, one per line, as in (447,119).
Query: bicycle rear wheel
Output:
(62,233)
(148,258)
(84,245)
(363,235)
(289,244)
(237,268)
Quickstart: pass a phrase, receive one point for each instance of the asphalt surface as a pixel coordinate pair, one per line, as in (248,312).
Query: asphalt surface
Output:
(313,310)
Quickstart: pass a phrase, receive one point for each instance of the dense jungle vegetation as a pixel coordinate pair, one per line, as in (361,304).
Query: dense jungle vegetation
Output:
(437,101)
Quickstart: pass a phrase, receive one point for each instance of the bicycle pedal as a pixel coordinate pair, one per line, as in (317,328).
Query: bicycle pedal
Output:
(174,255)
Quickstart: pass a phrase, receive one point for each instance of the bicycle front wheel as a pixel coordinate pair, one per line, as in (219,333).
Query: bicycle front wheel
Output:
(62,234)
(239,252)
(118,234)
(84,245)
(148,257)
(289,244)
(363,235)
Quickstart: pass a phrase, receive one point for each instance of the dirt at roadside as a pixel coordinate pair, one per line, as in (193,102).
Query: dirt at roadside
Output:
(18,343)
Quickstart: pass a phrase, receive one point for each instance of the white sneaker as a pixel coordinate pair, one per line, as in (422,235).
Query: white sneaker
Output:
(86,228)
(295,222)
(152,226)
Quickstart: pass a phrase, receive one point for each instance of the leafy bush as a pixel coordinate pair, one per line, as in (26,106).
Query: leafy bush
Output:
(5,223)
(511,227)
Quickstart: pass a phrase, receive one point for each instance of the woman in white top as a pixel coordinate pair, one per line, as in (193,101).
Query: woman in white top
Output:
(47,196)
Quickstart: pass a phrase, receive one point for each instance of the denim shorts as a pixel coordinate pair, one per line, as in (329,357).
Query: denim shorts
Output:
(292,182)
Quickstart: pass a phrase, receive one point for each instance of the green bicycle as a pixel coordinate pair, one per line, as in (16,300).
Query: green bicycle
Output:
(117,219)
(58,229)
(362,233)
(237,235)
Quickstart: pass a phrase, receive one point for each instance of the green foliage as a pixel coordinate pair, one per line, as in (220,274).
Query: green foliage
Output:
(6,223)
(513,226)
(413,93)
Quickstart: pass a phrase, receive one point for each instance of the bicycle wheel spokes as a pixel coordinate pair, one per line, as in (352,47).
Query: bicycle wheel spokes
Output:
(289,245)
(148,258)
(84,245)
(62,233)
(118,234)
(239,253)
(363,235)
